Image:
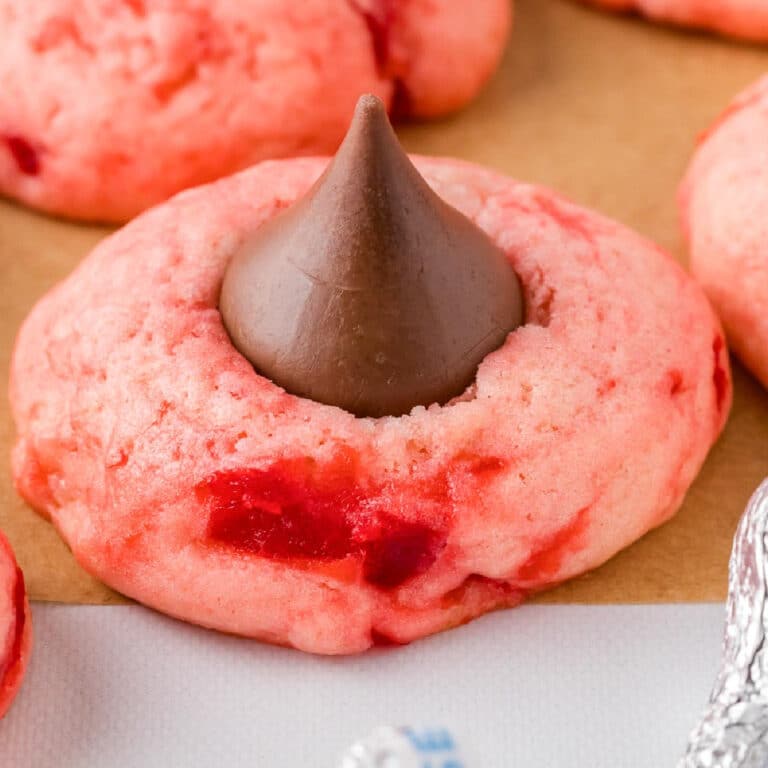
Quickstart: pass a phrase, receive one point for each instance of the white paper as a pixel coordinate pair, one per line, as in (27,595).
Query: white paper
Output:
(534,687)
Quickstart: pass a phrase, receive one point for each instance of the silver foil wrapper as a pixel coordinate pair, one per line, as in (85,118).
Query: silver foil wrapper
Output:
(733,731)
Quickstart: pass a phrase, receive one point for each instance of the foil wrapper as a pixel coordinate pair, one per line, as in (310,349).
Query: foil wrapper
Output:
(389,747)
(733,732)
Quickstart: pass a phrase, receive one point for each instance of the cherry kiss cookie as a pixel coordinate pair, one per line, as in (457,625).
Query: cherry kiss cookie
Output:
(339,405)
(109,107)
(15,626)
(724,206)
(747,19)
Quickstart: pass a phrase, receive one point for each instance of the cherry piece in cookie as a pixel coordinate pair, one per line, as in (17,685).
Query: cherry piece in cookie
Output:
(254,494)
(15,627)
(370,293)
(24,155)
(284,514)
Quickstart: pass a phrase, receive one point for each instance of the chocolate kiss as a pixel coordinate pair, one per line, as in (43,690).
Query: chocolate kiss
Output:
(370,293)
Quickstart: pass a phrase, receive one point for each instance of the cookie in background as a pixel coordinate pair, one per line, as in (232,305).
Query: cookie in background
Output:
(746,19)
(109,108)
(724,212)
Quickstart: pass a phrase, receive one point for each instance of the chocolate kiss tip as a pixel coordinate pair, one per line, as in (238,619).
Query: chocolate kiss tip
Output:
(370,109)
(370,293)
(368,104)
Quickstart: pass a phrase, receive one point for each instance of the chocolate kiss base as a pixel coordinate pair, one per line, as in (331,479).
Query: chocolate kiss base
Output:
(371,293)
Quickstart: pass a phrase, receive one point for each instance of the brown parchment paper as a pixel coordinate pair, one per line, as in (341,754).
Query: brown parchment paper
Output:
(602,108)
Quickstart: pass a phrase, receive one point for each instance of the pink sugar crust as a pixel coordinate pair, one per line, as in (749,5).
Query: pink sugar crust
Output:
(15,627)
(181,92)
(134,412)
(746,19)
(724,211)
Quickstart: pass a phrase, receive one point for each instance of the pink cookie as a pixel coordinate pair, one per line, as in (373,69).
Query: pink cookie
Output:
(15,626)
(724,205)
(109,107)
(740,18)
(184,479)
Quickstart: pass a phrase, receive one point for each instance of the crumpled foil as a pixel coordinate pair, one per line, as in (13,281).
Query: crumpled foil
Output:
(733,731)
